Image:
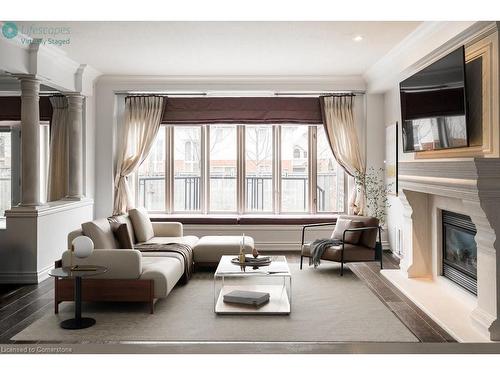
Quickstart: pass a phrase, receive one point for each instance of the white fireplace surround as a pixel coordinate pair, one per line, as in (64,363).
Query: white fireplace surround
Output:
(470,186)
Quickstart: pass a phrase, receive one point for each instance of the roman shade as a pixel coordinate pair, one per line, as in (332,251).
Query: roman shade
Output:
(247,110)
(10,108)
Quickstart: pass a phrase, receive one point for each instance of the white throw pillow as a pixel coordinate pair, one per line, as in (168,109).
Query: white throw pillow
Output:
(99,231)
(143,228)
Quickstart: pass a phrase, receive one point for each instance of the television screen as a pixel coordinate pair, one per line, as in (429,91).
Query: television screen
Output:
(433,106)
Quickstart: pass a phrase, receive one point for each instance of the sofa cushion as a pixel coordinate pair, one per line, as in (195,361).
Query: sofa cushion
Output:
(352,253)
(344,224)
(99,231)
(165,271)
(143,228)
(122,235)
(210,249)
(368,237)
(124,219)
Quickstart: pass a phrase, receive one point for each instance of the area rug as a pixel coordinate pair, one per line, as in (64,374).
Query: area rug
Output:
(326,307)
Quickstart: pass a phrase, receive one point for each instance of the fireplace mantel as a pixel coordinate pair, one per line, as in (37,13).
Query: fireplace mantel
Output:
(472,187)
(459,178)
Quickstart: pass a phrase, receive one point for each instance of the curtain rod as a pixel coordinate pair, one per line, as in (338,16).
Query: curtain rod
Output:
(331,93)
(173,94)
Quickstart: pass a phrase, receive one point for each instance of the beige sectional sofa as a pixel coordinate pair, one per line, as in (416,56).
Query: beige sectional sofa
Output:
(140,276)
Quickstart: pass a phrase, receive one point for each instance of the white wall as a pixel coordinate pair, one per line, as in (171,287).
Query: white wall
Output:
(392,114)
(375,131)
(35,238)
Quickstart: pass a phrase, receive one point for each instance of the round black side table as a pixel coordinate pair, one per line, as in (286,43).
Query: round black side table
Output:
(66,273)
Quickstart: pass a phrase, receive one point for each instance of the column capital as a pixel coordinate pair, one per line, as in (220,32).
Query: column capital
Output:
(77,95)
(30,86)
(26,77)
(75,101)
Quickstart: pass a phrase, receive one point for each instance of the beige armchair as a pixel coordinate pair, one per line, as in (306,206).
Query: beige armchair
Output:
(364,250)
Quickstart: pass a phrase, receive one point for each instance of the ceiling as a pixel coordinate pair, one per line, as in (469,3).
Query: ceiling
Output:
(230,48)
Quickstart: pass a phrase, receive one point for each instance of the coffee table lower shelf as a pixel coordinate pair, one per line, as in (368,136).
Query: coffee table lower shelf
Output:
(279,302)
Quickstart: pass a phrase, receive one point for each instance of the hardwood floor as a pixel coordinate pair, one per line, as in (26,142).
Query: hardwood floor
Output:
(21,305)
(422,326)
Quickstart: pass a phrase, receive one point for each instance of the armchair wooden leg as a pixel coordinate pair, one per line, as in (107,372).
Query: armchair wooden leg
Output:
(341,268)
(301,258)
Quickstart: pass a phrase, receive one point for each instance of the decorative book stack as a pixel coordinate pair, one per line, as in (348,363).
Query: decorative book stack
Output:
(246,297)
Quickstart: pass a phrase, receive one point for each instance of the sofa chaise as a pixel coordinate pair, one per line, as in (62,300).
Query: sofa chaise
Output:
(135,276)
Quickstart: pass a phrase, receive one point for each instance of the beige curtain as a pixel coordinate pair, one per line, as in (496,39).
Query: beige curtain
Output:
(58,156)
(338,119)
(142,121)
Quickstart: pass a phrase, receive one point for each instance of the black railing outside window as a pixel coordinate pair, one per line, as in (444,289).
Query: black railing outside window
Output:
(151,190)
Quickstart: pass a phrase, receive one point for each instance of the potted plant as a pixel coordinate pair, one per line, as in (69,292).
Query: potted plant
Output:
(375,189)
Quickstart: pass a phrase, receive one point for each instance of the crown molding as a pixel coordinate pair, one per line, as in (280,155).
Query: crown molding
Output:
(232,83)
(433,40)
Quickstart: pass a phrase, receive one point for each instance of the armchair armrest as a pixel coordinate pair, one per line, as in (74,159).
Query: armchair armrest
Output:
(168,229)
(121,263)
(362,229)
(312,225)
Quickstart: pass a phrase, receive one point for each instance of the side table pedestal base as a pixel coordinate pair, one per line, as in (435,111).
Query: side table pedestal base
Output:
(77,323)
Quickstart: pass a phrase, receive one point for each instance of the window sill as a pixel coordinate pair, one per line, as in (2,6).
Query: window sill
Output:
(246,219)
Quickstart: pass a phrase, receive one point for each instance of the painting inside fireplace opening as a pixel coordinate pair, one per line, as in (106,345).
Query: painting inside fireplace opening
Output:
(461,250)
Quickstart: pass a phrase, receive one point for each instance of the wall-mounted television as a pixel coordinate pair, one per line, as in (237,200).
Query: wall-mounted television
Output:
(434,106)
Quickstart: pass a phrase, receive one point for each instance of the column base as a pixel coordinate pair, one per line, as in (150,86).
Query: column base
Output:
(32,205)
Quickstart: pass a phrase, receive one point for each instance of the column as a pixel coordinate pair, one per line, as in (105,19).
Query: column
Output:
(30,141)
(75,147)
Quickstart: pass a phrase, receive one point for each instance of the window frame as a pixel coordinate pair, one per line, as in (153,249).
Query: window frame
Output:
(241,208)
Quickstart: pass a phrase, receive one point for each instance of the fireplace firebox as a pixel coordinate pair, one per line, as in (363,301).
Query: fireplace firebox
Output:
(459,250)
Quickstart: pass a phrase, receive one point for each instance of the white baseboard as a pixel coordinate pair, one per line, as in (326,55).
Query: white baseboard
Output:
(25,277)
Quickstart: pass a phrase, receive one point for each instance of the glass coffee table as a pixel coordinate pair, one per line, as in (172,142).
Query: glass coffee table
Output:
(274,279)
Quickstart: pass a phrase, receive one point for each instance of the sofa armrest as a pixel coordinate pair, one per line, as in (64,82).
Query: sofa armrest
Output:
(121,263)
(168,229)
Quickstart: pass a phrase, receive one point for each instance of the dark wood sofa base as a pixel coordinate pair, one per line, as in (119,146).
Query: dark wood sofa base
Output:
(104,290)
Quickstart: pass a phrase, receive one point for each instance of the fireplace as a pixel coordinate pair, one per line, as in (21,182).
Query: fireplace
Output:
(459,250)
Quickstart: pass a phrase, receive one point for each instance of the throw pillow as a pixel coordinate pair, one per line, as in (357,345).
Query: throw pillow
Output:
(122,235)
(99,231)
(143,228)
(124,219)
(344,224)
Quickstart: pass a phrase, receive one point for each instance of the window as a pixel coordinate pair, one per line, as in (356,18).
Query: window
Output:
(330,177)
(294,168)
(225,168)
(10,163)
(151,176)
(259,168)
(5,171)
(223,152)
(187,168)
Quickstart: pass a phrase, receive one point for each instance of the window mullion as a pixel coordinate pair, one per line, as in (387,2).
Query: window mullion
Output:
(169,168)
(240,169)
(277,169)
(312,161)
(205,172)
